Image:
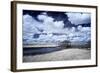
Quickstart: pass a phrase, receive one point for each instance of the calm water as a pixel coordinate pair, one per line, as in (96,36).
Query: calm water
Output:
(37,51)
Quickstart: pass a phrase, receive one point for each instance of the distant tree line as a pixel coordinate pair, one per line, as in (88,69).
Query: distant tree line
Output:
(67,44)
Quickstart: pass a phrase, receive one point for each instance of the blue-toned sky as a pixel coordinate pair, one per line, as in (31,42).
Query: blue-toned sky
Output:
(47,26)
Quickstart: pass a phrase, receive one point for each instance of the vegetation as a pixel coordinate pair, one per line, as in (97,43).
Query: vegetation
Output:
(68,44)
(65,44)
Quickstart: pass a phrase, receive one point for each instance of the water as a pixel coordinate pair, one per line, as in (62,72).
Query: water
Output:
(37,51)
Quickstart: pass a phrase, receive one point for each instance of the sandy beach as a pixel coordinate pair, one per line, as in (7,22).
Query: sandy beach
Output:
(60,55)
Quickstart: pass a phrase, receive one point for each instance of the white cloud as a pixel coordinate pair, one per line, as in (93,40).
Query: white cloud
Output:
(87,29)
(83,35)
(59,24)
(79,27)
(49,24)
(32,26)
(41,17)
(29,26)
(79,18)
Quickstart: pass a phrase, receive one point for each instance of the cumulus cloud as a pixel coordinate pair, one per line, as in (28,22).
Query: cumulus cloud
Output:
(50,25)
(42,17)
(31,27)
(59,24)
(79,27)
(83,35)
(79,18)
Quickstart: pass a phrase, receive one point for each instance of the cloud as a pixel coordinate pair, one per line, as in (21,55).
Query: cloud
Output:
(82,35)
(79,27)
(49,24)
(79,18)
(31,27)
(59,24)
(42,17)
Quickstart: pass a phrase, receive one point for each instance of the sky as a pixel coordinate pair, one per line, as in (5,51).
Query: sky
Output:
(48,26)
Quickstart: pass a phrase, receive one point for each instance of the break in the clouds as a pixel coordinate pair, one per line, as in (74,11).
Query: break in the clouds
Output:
(44,28)
(79,18)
